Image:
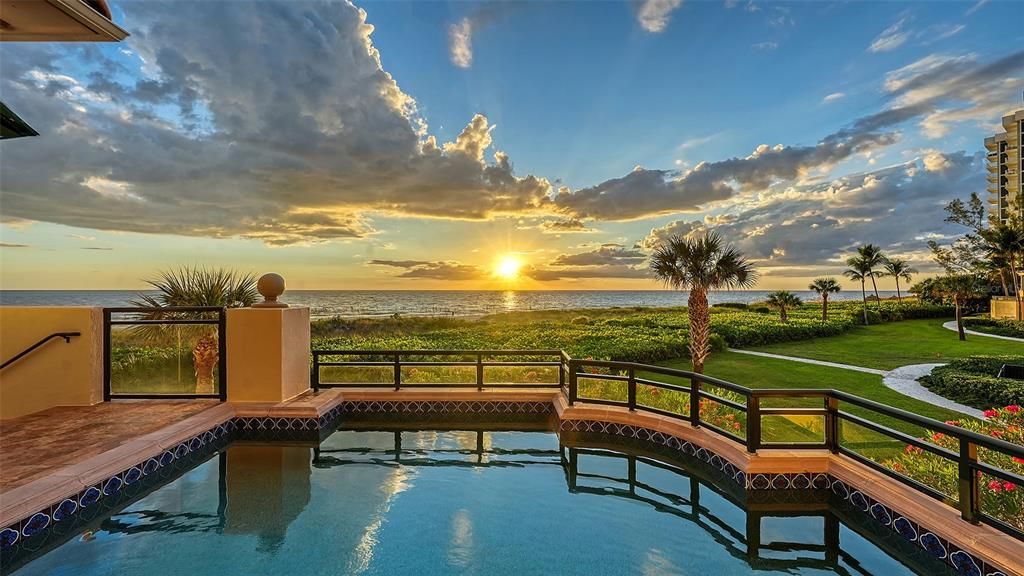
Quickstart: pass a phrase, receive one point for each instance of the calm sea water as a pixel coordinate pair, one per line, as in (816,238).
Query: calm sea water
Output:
(324,303)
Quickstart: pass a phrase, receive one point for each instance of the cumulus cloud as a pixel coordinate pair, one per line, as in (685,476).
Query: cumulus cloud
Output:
(891,38)
(440,270)
(897,207)
(300,148)
(570,225)
(603,255)
(654,15)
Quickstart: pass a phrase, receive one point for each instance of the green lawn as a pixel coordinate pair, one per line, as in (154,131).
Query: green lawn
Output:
(894,344)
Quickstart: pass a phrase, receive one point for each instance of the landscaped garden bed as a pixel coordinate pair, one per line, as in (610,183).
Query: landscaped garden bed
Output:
(998,327)
(974,381)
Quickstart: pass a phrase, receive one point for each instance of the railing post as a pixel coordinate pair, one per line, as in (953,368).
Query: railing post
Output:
(631,389)
(561,371)
(314,372)
(573,384)
(479,372)
(694,401)
(832,423)
(222,350)
(970,503)
(106,355)
(753,422)
(398,372)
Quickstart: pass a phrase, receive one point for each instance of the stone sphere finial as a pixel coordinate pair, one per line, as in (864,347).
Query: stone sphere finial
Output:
(270,286)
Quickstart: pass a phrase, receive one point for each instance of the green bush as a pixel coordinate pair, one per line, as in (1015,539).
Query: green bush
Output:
(1004,327)
(581,320)
(973,381)
(733,305)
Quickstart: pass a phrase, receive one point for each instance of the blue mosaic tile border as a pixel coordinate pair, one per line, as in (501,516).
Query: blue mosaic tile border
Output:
(205,443)
(959,559)
(448,407)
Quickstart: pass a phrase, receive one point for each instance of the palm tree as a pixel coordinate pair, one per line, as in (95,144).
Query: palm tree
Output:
(896,268)
(824,287)
(872,258)
(859,270)
(195,287)
(700,264)
(960,288)
(1005,246)
(781,300)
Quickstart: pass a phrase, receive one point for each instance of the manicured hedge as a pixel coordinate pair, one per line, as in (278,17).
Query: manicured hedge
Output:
(1012,328)
(972,381)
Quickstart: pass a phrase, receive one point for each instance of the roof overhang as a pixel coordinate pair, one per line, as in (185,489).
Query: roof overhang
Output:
(11,126)
(57,21)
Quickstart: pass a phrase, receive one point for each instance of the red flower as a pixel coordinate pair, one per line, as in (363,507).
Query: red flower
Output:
(938,436)
(1009,486)
(996,433)
(995,486)
(1018,460)
(736,425)
(953,422)
(1012,408)
(990,413)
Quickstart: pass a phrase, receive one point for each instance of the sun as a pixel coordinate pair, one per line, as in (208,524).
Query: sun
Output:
(507,267)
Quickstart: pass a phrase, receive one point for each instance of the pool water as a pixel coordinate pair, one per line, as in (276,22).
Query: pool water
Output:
(461,502)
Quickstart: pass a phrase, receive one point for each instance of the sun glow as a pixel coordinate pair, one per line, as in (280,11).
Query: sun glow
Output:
(507,267)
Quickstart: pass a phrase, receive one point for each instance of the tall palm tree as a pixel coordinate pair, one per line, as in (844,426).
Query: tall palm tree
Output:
(824,287)
(896,269)
(872,258)
(1005,245)
(960,288)
(188,286)
(859,270)
(700,264)
(781,300)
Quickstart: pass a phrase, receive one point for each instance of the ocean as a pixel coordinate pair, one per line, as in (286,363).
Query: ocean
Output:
(376,303)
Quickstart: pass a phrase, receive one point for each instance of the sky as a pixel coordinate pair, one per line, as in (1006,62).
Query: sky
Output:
(496,145)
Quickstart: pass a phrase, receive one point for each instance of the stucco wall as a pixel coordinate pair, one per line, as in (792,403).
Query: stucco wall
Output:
(1004,308)
(56,374)
(268,353)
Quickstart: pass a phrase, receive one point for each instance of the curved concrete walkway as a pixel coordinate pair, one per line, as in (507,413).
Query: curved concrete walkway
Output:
(902,379)
(951,325)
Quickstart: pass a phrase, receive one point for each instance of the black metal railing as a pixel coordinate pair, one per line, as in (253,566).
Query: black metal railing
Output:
(138,317)
(735,412)
(67,336)
(394,361)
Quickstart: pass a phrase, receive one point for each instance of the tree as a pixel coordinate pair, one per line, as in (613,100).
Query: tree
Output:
(1004,246)
(781,300)
(896,269)
(872,257)
(824,287)
(960,288)
(195,287)
(700,264)
(859,270)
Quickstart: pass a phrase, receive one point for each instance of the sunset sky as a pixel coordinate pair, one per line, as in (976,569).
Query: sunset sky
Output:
(529,145)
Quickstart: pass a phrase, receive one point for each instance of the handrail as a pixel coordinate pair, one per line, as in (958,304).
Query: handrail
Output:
(968,465)
(65,335)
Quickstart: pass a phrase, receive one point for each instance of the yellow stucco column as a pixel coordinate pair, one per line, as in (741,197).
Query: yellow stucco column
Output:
(268,354)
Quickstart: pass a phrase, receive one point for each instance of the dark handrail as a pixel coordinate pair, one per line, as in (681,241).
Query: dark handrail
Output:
(970,466)
(65,335)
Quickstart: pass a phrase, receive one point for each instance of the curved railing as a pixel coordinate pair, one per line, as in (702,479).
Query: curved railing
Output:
(757,418)
(67,336)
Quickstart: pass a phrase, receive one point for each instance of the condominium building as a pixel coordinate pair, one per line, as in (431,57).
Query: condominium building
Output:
(1006,169)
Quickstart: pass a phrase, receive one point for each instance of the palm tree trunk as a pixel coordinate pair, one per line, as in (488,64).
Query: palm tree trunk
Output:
(204,357)
(864,297)
(875,286)
(959,319)
(899,297)
(782,315)
(1002,280)
(824,307)
(700,327)
(1015,278)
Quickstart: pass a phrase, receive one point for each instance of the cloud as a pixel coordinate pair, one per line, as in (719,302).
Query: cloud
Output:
(570,226)
(10,245)
(891,38)
(977,6)
(833,97)
(606,254)
(95,248)
(461,33)
(765,46)
(654,15)
(441,270)
(814,226)
(305,147)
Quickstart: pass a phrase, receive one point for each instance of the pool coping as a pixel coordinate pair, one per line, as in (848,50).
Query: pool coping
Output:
(970,548)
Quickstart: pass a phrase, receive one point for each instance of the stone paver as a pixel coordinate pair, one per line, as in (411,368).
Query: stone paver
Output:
(951,325)
(810,361)
(905,381)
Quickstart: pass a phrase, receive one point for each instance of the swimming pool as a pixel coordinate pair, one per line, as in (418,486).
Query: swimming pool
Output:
(465,502)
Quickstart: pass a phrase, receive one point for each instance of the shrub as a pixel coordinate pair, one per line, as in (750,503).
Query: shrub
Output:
(733,305)
(999,498)
(973,381)
(999,327)
(581,320)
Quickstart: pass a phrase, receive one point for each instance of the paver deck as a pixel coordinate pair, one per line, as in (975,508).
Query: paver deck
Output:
(34,445)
